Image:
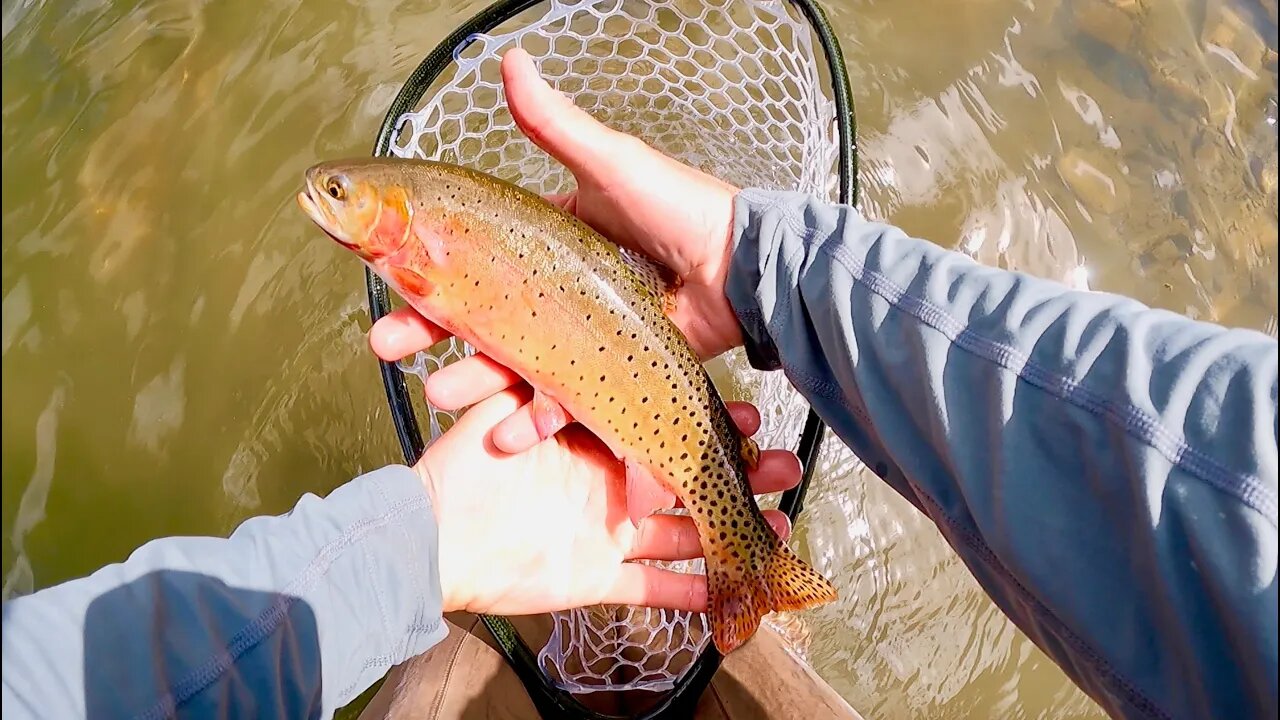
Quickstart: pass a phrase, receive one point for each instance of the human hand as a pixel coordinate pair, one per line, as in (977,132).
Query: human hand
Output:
(631,194)
(639,198)
(547,529)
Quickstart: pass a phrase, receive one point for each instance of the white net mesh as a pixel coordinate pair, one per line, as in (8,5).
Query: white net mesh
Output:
(733,87)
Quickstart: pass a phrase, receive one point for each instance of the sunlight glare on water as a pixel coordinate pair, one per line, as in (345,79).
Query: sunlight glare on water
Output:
(182,349)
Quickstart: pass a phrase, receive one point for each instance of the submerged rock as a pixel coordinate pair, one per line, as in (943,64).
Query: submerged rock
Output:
(1097,180)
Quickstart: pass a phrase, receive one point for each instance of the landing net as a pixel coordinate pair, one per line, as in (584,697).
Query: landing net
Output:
(732,87)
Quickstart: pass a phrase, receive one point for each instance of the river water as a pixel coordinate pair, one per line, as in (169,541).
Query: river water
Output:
(180,351)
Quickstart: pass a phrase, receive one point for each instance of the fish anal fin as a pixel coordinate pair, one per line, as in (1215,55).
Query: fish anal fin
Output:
(739,598)
(549,417)
(645,495)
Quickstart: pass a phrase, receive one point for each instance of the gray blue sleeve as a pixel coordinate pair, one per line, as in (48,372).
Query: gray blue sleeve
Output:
(1107,471)
(291,616)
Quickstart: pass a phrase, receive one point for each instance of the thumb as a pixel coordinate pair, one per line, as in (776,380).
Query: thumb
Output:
(551,120)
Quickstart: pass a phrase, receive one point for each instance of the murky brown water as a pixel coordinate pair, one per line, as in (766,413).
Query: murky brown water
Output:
(180,350)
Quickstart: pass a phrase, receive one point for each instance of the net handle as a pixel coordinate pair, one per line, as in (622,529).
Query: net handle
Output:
(549,700)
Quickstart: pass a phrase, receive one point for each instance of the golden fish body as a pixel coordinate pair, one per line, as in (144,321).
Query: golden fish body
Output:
(542,293)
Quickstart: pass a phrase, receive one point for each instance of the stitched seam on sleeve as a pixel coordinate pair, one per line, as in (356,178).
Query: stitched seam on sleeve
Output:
(379,592)
(269,619)
(389,658)
(1131,694)
(1137,423)
(1005,357)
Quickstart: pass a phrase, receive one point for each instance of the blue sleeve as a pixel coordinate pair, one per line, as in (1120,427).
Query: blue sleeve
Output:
(1107,471)
(292,616)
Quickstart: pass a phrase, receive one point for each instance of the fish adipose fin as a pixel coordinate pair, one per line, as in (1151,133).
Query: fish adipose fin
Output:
(750,452)
(549,417)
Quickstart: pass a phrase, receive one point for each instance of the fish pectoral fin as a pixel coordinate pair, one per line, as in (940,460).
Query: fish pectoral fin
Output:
(406,281)
(659,279)
(645,495)
(549,416)
(750,453)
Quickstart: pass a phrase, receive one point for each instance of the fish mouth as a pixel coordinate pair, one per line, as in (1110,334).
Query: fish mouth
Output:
(319,208)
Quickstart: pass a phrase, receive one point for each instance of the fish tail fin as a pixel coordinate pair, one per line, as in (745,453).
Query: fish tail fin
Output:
(794,584)
(739,600)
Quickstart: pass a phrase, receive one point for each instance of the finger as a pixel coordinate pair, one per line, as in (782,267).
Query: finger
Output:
(780,523)
(675,537)
(551,120)
(778,470)
(518,432)
(403,332)
(745,416)
(480,419)
(467,382)
(649,586)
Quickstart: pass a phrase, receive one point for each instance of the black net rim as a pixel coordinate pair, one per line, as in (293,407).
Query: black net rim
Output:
(550,700)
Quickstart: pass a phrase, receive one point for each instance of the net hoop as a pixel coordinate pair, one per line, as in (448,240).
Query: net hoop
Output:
(550,699)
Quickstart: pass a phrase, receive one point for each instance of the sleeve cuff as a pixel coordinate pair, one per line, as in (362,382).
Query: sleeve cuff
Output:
(750,254)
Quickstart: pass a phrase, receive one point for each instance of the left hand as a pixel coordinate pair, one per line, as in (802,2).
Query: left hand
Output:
(547,529)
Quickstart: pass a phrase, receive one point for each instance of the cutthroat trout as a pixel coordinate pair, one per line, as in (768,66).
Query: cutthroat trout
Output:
(540,292)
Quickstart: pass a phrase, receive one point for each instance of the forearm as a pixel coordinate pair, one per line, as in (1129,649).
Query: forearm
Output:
(291,616)
(1107,471)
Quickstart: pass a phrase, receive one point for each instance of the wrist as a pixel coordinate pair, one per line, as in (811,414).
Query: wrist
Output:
(723,332)
(444,556)
(743,286)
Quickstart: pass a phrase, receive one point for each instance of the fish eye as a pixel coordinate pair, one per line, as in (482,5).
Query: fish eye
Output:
(336,189)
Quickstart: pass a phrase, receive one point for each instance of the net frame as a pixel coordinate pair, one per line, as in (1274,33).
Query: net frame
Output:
(550,699)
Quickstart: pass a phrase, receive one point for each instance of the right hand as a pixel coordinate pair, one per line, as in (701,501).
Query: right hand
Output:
(546,529)
(628,192)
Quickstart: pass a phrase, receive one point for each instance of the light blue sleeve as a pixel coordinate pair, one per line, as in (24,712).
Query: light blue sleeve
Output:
(1107,471)
(292,616)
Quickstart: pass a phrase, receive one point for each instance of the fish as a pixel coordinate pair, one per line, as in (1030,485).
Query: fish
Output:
(586,324)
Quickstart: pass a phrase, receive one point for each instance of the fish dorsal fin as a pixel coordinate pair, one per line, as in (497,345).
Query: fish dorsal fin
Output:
(660,280)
